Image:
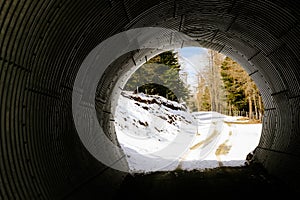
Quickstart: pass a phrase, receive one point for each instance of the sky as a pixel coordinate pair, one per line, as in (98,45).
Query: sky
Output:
(192,61)
(157,137)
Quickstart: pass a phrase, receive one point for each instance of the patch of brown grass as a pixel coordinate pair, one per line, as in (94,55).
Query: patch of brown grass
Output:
(223,149)
(207,140)
(253,121)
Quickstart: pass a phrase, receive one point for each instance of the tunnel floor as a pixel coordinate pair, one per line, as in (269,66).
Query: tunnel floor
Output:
(223,182)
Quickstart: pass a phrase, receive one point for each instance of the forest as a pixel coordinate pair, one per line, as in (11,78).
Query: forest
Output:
(223,85)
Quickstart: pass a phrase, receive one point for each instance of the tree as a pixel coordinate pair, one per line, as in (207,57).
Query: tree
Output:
(233,80)
(241,91)
(206,100)
(210,85)
(159,73)
(215,79)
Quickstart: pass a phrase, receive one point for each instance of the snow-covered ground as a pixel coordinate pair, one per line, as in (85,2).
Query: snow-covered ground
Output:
(157,134)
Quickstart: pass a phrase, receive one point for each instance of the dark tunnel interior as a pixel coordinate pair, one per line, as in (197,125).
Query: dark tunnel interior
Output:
(44,43)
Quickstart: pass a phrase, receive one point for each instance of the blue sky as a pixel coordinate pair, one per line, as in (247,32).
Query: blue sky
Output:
(191,51)
(192,61)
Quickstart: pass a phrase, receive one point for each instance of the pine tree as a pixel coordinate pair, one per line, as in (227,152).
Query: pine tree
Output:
(160,74)
(241,91)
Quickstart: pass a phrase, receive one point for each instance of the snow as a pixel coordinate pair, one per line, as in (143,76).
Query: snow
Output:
(157,134)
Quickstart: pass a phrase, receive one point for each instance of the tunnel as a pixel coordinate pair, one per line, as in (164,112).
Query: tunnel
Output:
(45,44)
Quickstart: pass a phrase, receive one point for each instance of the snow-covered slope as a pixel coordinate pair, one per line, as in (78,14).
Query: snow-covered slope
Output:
(157,134)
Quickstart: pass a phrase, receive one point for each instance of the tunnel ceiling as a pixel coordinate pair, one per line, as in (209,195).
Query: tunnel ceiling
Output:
(44,42)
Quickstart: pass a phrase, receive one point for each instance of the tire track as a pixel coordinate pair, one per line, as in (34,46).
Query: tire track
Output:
(215,133)
(225,147)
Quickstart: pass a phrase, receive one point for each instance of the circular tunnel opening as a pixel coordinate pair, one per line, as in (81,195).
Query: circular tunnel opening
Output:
(148,117)
(45,43)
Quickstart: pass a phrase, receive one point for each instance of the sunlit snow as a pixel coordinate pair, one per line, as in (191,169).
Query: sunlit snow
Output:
(157,134)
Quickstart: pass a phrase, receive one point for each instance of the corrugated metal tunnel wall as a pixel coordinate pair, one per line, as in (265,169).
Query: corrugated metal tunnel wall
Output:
(44,42)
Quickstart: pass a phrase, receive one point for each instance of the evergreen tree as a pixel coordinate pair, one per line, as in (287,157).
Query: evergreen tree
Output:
(241,91)
(159,74)
(233,83)
(206,100)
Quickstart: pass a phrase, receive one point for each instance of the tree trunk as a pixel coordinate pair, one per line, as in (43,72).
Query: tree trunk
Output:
(250,106)
(255,106)
(260,107)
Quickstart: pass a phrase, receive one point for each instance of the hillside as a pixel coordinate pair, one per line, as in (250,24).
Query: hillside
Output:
(157,134)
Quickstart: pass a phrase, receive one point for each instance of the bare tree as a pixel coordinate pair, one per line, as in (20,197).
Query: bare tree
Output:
(216,84)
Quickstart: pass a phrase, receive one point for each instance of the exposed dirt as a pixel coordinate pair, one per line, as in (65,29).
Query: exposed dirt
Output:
(223,149)
(250,181)
(243,122)
(207,140)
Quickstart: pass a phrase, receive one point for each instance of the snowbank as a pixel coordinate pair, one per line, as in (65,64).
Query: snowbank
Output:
(157,134)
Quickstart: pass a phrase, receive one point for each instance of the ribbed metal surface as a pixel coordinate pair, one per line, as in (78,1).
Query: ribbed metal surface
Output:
(244,48)
(270,73)
(294,140)
(270,127)
(276,163)
(264,88)
(283,132)
(44,42)
(290,73)
(293,44)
